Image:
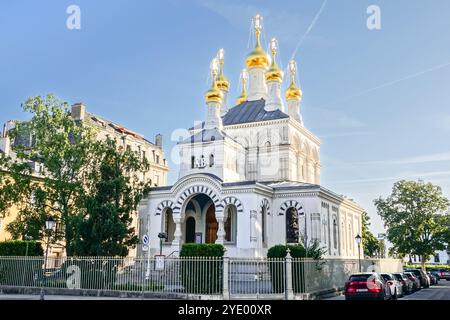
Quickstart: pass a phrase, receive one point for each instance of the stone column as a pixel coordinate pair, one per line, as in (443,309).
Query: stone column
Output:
(253,220)
(177,234)
(221,230)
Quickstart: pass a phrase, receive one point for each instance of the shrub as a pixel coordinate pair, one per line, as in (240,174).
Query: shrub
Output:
(277,267)
(19,248)
(201,268)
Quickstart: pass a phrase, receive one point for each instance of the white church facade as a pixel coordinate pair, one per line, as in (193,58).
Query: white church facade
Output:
(250,175)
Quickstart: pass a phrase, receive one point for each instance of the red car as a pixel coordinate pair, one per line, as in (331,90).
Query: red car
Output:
(367,286)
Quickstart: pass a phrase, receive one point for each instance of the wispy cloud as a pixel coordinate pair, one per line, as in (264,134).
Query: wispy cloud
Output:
(391,83)
(423,175)
(316,17)
(345,134)
(287,26)
(330,118)
(435,157)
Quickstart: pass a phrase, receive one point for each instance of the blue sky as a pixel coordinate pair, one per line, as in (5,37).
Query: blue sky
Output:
(378,99)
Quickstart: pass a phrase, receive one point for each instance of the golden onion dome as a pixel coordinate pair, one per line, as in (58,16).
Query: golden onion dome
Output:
(258,58)
(274,73)
(214,94)
(293,92)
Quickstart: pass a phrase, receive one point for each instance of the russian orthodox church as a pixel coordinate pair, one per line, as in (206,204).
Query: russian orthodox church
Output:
(249,175)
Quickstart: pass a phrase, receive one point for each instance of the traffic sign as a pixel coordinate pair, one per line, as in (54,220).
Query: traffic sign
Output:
(145,248)
(145,239)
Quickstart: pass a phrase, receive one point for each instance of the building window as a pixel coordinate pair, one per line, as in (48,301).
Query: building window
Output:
(144,155)
(157,159)
(268,147)
(335,233)
(350,238)
(192,162)
(128,148)
(284,168)
(169,225)
(230,224)
(436,258)
(263,225)
(315,227)
(292,227)
(211,160)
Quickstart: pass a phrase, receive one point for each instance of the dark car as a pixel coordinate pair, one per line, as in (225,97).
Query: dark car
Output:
(423,278)
(367,286)
(415,281)
(406,283)
(433,278)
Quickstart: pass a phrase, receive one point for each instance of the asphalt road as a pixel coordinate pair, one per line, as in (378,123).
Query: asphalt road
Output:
(437,292)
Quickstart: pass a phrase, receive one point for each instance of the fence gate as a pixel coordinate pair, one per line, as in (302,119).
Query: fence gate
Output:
(252,279)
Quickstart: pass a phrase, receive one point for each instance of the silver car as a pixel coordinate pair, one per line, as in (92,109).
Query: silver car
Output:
(395,286)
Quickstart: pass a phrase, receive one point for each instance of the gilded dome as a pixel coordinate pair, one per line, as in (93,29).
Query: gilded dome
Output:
(293,92)
(214,94)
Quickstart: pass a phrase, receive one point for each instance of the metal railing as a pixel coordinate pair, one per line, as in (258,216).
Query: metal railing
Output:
(223,277)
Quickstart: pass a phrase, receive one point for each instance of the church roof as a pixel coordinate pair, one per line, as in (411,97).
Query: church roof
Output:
(290,185)
(251,111)
(206,136)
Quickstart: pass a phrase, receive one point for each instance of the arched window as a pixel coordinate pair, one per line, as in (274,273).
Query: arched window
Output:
(211,160)
(263,225)
(335,233)
(169,225)
(230,224)
(292,227)
(268,146)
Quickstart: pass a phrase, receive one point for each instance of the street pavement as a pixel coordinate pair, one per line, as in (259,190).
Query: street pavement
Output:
(437,292)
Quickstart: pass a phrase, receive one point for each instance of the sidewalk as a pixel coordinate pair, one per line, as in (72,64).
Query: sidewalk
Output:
(59,297)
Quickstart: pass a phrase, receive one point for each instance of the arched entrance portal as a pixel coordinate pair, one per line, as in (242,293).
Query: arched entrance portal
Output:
(211,225)
(190,230)
(200,224)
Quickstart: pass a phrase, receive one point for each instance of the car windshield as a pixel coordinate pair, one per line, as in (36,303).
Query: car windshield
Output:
(359,277)
(386,277)
(398,276)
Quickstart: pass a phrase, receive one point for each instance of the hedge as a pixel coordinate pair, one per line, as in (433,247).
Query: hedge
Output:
(202,276)
(428,266)
(19,248)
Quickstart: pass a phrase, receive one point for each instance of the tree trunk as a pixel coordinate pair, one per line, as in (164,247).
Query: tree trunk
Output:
(423,263)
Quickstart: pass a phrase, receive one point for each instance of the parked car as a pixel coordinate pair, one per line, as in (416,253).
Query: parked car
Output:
(367,286)
(407,284)
(395,286)
(433,278)
(444,274)
(423,278)
(415,281)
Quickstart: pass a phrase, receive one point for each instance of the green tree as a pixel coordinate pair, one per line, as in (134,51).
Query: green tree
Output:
(416,218)
(87,185)
(63,147)
(371,245)
(113,194)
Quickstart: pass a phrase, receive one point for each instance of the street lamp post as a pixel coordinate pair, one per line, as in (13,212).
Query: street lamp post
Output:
(49,225)
(161,236)
(358,241)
